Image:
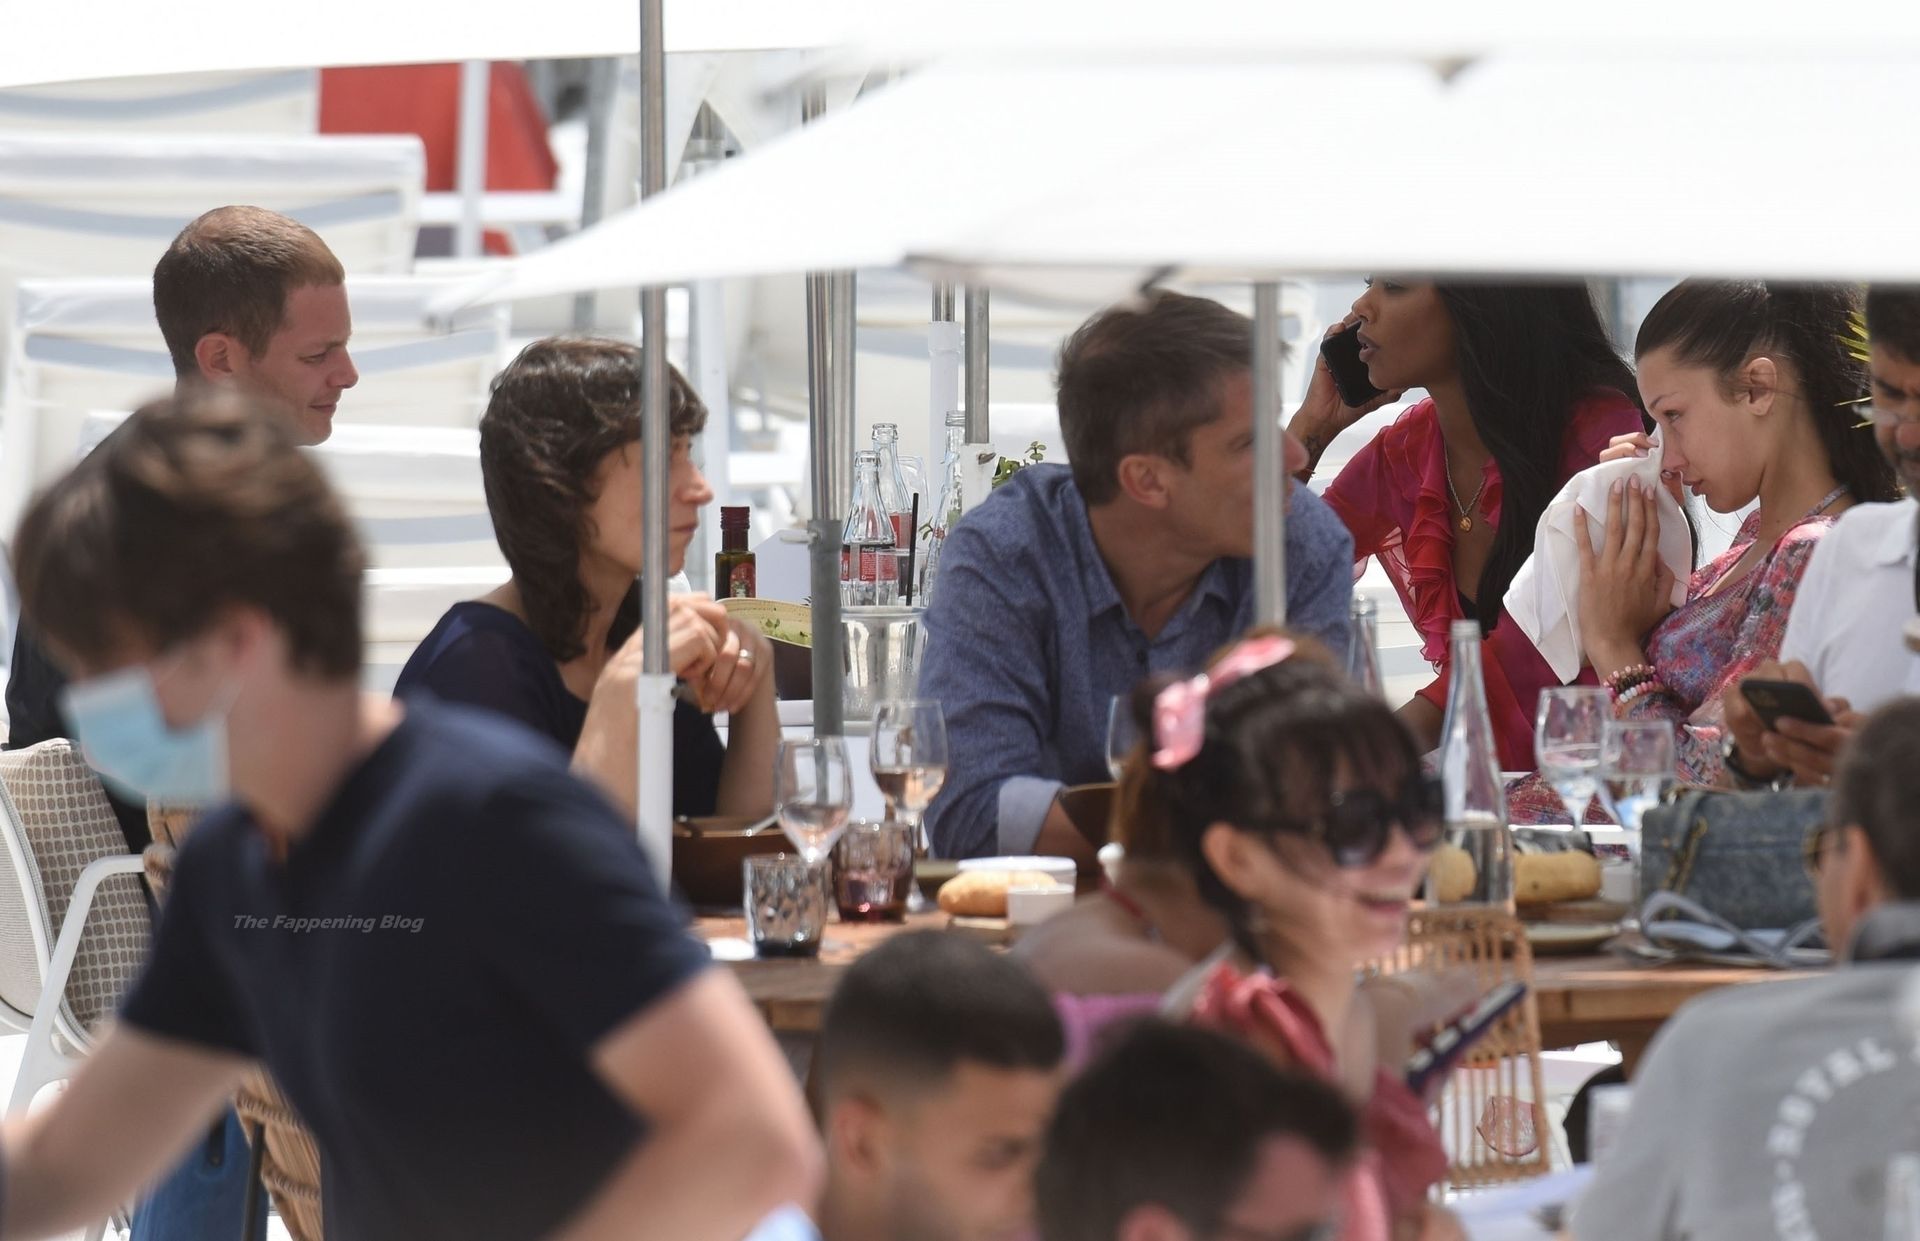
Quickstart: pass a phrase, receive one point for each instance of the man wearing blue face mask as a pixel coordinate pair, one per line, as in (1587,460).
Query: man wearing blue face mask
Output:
(570,1068)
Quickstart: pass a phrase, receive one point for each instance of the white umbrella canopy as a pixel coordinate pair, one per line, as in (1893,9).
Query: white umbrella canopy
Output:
(933,159)
(1227,30)
(43,41)
(1788,169)
(1080,180)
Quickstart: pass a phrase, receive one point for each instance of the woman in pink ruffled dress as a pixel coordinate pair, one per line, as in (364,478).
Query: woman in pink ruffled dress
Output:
(1524,390)
(1299,805)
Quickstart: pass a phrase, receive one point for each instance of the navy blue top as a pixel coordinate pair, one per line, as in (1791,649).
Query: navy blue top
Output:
(486,656)
(1028,642)
(425,975)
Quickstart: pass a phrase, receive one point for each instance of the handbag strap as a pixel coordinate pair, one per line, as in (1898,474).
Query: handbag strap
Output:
(1674,905)
(1681,871)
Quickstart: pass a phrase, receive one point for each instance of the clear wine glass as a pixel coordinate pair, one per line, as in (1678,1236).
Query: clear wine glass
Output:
(1567,733)
(909,758)
(1120,733)
(1637,767)
(813,791)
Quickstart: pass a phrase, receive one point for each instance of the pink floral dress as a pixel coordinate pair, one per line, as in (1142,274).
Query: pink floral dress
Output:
(1701,650)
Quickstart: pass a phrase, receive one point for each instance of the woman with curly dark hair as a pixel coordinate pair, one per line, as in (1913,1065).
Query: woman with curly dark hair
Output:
(557,647)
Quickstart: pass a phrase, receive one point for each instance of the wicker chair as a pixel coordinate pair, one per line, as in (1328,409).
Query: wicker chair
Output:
(72,878)
(290,1162)
(1491,1116)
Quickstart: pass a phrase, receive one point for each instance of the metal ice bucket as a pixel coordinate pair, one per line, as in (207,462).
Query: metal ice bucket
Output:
(882,656)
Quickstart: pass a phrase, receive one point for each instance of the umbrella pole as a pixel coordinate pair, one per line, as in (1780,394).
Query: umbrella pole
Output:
(654,693)
(979,337)
(1269,462)
(475,77)
(831,440)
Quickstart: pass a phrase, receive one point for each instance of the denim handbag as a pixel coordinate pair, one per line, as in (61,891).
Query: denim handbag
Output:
(1737,854)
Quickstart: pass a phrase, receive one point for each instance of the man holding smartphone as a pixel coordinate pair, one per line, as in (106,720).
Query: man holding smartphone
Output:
(1846,637)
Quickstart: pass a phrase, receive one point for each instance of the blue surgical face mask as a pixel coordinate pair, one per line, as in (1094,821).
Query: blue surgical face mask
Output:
(125,737)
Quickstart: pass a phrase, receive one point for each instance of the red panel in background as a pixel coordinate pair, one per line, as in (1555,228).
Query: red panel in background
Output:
(425,100)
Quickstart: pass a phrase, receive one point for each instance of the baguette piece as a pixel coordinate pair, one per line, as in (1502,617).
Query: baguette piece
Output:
(1543,878)
(983,893)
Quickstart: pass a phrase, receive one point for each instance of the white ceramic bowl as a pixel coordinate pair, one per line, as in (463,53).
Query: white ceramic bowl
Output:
(1059,869)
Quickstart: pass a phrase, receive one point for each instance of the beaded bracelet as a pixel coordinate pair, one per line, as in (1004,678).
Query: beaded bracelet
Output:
(1620,680)
(1640,689)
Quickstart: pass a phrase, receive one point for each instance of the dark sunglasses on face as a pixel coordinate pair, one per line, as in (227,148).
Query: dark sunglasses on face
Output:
(1359,823)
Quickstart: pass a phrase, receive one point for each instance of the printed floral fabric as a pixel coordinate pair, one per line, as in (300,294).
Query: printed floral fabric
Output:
(1701,650)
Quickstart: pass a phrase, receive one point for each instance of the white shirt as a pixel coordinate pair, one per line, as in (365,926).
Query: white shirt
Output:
(1849,619)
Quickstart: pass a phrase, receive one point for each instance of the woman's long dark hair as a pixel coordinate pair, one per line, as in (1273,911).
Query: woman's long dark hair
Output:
(1527,354)
(1720,324)
(556,412)
(1275,741)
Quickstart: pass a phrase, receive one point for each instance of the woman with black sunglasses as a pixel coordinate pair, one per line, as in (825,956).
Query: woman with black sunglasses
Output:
(1300,807)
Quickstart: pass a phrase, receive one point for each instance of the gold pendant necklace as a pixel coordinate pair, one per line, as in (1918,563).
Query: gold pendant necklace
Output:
(1466,510)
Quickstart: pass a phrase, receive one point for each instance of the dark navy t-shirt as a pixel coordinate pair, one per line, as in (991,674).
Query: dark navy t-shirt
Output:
(486,656)
(426,974)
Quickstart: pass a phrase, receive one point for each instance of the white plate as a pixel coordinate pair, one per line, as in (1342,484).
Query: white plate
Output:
(1059,869)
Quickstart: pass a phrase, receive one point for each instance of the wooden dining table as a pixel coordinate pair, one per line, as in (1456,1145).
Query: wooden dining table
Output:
(1588,998)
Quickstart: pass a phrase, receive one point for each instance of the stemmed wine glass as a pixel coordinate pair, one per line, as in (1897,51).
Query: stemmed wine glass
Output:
(1567,733)
(909,758)
(813,790)
(1120,733)
(1637,767)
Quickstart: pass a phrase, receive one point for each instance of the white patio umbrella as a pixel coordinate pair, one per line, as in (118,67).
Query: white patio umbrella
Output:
(1224,31)
(42,41)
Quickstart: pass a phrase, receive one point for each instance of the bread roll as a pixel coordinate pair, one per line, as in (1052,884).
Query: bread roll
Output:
(983,893)
(1542,878)
(1453,874)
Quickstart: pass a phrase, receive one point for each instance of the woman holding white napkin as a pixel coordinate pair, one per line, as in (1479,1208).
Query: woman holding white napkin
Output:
(1753,386)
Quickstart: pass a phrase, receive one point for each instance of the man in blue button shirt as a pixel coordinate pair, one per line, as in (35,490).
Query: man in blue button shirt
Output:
(1070,584)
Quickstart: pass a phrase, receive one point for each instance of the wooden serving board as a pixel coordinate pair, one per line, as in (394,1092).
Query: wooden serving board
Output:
(996,931)
(1594,910)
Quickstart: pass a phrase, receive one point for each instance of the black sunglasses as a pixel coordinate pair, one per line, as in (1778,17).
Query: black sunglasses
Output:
(1359,823)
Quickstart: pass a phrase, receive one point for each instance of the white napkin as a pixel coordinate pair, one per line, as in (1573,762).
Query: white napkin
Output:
(1544,598)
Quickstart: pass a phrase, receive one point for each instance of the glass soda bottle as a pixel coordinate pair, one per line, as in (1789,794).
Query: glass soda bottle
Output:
(869,557)
(946,510)
(1475,796)
(1363,647)
(894,493)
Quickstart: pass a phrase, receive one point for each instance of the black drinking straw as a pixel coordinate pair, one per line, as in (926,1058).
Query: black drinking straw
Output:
(913,546)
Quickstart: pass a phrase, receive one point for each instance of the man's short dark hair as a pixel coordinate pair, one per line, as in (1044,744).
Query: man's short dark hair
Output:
(1140,379)
(1174,1116)
(1878,787)
(1893,319)
(196,503)
(913,1010)
(231,271)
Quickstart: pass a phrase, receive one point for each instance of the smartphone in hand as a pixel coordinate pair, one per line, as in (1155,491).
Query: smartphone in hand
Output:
(1342,352)
(1774,701)
(1452,1042)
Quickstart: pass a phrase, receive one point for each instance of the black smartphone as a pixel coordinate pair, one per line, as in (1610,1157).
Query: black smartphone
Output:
(1342,352)
(1774,701)
(1445,1048)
